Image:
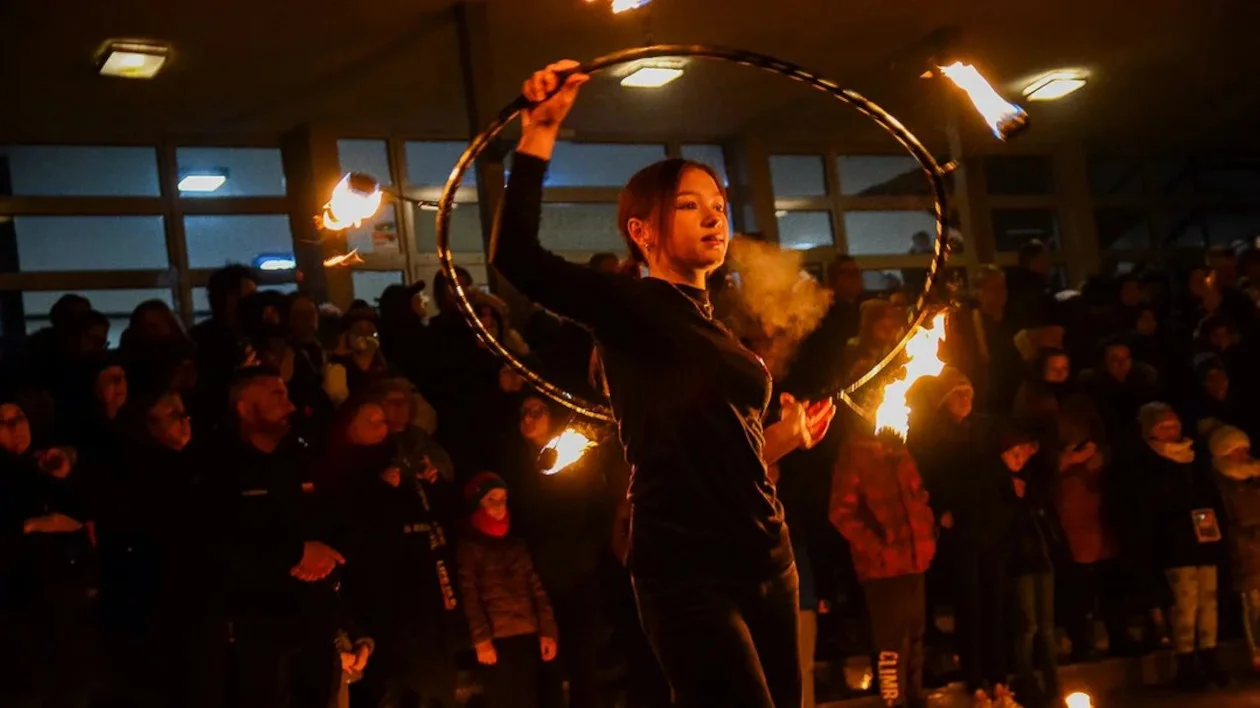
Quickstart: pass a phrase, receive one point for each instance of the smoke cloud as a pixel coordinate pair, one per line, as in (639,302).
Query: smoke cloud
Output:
(776,303)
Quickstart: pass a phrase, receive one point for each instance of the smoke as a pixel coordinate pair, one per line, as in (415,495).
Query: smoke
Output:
(776,303)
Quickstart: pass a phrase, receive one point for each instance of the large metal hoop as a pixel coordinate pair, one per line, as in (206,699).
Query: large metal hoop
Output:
(932,170)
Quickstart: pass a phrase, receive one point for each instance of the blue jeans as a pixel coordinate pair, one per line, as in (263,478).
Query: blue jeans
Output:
(723,642)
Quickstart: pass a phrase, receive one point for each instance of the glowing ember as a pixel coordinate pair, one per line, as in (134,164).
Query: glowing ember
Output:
(344,259)
(569,447)
(619,6)
(1004,118)
(355,198)
(1079,700)
(922,359)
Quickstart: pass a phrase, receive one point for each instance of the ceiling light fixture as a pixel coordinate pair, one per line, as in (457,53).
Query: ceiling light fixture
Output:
(133,60)
(1054,85)
(651,77)
(202,180)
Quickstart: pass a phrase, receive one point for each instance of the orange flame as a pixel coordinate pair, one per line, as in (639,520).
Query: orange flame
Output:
(344,259)
(1079,699)
(619,6)
(1000,114)
(570,446)
(922,359)
(348,207)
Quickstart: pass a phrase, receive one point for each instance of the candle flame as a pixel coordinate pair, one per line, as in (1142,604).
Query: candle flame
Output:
(570,446)
(344,259)
(1079,699)
(1004,118)
(922,359)
(354,199)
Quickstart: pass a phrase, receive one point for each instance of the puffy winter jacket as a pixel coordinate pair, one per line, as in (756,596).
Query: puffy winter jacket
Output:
(503,596)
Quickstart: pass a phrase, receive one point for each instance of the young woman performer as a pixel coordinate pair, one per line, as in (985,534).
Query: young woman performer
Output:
(713,570)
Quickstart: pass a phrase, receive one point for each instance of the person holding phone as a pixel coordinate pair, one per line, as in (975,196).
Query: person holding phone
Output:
(709,555)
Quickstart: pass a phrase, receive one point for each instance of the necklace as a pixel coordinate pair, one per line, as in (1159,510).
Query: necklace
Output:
(705,308)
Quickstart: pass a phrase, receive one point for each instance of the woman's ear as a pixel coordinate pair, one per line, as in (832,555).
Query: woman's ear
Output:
(641,233)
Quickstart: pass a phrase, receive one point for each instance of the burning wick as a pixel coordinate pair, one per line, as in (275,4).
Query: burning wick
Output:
(922,359)
(1079,700)
(344,259)
(564,450)
(1005,119)
(355,198)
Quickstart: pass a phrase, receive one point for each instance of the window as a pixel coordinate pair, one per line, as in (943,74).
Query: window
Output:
(1184,230)
(465,229)
(882,281)
(879,175)
(368,156)
(1229,177)
(201,301)
(83,243)
(1123,229)
(378,234)
(870,233)
(1231,227)
(114,304)
(369,284)
(74,171)
(801,230)
(429,164)
(1019,175)
(1115,176)
(1173,175)
(599,164)
(249,172)
(710,155)
(581,227)
(215,241)
(1012,228)
(798,176)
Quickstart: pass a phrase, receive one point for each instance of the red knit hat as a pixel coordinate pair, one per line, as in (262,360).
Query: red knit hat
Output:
(481,485)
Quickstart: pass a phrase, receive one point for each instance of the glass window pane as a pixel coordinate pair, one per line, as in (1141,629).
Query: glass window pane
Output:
(201,301)
(599,164)
(215,241)
(465,229)
(1173,175)
(805,229)
(884,281)
(250,172)
(429,163)
(878,175)
(710,155)
(378,234)
(1013,228)
(1185,229)
(581,227)
(114,304)
(1233,178)
(369,284)
(1115,176)
(1022,174)
(78,243)
(798,176)
(871,233)
(1123,229)
(1232,227)
(369,156)
(74,171)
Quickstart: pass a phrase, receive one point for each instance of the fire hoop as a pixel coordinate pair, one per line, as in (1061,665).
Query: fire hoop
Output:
(934,172)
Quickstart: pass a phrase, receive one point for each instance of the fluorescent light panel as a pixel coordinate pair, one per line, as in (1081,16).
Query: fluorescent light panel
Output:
(1054,86)
(651,77)
(129,60)
(203,182)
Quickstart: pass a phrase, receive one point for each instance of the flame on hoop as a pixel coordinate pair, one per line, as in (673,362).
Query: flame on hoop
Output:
(922,359)
(1005,119)
(344,259)
(355,199)
(1080,699)
(569,447)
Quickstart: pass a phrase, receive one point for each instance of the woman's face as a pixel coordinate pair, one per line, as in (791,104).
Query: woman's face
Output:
(485,313)
(1058,369)
(959,402)
(535,421)
(156,325)
(368,426)
(169,423)
(1168,429)
(699,235)
(111,389)
(397,408)
(361,338)
(15,430)
(495,504)
(1017,457)
(1216,383)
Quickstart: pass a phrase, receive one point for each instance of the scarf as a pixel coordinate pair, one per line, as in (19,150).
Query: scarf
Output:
(491,527)
(1238,471)
(1180,451)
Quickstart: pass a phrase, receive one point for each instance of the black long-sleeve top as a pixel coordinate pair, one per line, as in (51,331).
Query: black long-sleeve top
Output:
(688,399)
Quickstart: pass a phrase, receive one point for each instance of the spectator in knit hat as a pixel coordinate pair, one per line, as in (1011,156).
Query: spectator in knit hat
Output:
(357,361)
(1238,476)
(509,615)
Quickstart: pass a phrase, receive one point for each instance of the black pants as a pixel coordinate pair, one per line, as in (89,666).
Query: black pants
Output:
(278,666)
(898,615)
(983,582)
(402,672)
(578,616)
(513,680)
(1092,591)
(725,643)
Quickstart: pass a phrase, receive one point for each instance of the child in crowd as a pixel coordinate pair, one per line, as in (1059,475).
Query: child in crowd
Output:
(1238,476)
